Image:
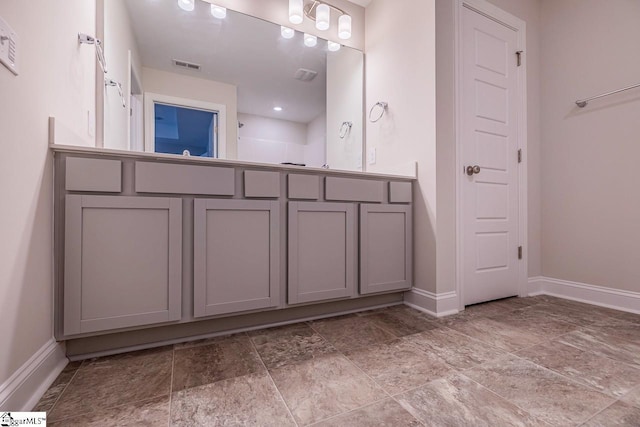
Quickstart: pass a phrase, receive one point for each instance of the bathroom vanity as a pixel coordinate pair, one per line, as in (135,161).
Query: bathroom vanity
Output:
(156,248)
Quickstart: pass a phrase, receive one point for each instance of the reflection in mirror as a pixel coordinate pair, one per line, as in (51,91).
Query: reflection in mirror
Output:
(265,95)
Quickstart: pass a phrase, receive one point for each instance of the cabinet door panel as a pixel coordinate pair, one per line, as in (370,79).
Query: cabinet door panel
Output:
(236,256)
(385,248)
(322,253)
(123,262)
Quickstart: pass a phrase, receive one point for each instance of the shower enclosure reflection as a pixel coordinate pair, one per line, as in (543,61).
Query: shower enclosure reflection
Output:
(281,101)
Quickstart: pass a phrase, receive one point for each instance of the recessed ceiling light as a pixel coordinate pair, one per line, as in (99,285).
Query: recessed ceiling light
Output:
(218,11)
(277,108)
(187,5)
(310,40)
(287,32)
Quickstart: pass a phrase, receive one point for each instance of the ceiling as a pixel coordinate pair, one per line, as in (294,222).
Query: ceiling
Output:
(363,3)
(240,50)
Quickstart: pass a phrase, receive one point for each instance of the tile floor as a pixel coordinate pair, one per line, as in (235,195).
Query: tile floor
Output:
(536,361)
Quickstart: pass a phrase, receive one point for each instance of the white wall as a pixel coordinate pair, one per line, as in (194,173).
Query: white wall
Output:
(119,41)
(400,67)
(345,74)
(590,205)
(57,78)
(178,85)
(267,140)
(315,153)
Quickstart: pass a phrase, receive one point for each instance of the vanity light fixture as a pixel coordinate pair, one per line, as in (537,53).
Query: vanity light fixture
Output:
(323,17)
(287,32)
(333,46)
(310,40)
(320,12)
(296,11)
(187,5)
(344,27)
(218,11)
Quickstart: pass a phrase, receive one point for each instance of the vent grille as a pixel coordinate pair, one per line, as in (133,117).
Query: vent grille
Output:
(305,75)
(187,65)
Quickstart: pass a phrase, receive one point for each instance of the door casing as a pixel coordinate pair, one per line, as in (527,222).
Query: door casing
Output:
(494,13)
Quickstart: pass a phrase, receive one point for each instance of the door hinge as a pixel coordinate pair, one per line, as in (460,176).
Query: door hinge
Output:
(519,252)
(519,57)
(520,155)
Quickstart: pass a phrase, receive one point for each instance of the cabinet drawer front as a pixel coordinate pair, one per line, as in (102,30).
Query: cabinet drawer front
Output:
(98,175)
(236,256)
(353,190)
(169,178)
(123,262)
(322,251)
(385,248)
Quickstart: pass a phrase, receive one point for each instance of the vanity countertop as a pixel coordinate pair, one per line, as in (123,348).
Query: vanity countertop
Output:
(223,162)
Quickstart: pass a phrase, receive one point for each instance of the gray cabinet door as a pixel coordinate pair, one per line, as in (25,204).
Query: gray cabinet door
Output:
(322,251)
(385,248)
(123,262)
(236,256)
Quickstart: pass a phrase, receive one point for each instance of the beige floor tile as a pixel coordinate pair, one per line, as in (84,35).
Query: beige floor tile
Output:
(290,344)
(323,387)
(114,381)
(401,321)
(498,334)
(55,390)
(250,400)
(458,401)
(381,362)
(633,397)
(604,374)
(387,413)
(541,392)
(148,413)
(456,349)
(621,329)
(204,364)
(535,324)
(349,332)
(604,344)
(618,414)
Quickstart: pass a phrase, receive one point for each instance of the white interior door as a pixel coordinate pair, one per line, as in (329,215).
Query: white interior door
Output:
(489,144)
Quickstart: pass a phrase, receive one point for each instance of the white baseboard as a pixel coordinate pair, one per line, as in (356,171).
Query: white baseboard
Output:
(23,390)
(583,292)
(436,305)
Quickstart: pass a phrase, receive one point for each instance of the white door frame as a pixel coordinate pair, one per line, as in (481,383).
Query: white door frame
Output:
(149,118)
(487,9)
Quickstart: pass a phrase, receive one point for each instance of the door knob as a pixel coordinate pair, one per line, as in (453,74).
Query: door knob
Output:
(473,170)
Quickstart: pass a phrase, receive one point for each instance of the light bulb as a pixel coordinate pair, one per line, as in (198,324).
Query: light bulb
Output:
(333,46)
(310,40)
(187,5)
(218,11)
(323,17)
(296,11)
(344,27)
(287,32)
(277,109)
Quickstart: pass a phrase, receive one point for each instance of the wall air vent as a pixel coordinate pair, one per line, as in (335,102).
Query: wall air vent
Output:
(305,75)
(187,65)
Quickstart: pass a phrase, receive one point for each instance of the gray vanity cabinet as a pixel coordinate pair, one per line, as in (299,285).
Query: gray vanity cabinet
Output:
(322,249)
(123,262)
(385,248)
(236,256)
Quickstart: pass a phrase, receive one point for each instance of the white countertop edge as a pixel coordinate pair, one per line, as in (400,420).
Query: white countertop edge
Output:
(59,148)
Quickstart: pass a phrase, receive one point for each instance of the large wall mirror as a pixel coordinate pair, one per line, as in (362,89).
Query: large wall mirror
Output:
(232,87)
